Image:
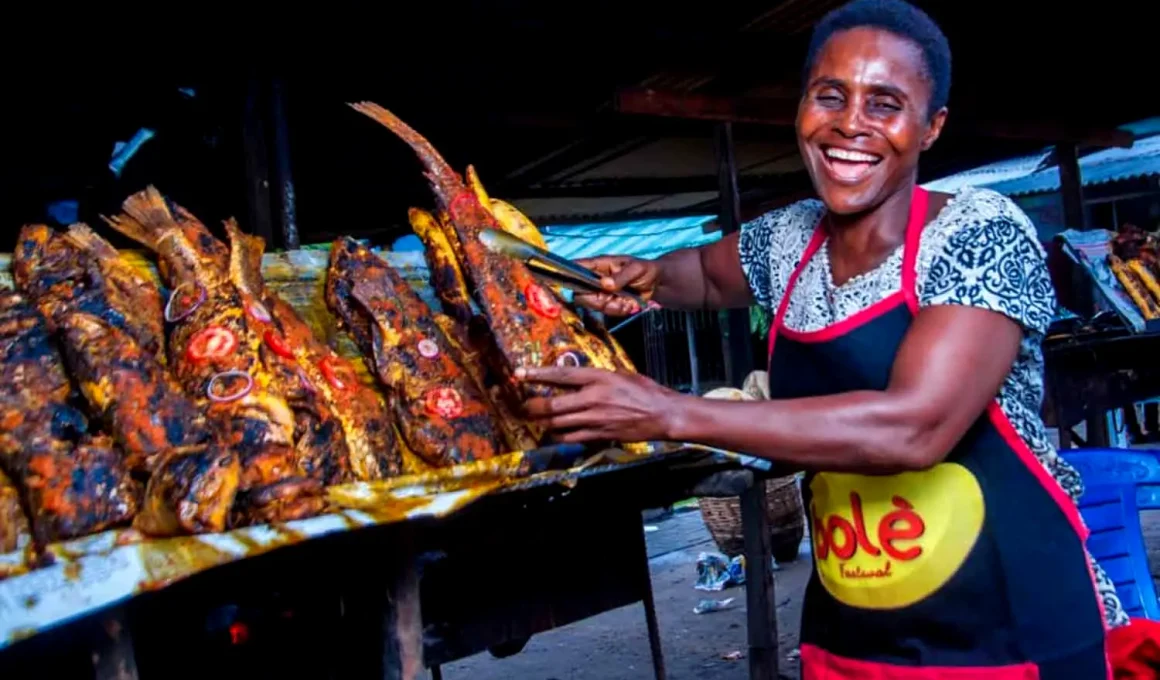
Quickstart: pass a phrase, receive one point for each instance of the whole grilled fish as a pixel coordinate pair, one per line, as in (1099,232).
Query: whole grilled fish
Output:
(440,412)
(524,316)
(473,341)
(216,352)
(532,327)
(108,319)
(319,373)
(72,483)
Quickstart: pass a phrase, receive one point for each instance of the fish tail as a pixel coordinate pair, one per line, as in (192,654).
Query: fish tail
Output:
(147,217)
(444,179)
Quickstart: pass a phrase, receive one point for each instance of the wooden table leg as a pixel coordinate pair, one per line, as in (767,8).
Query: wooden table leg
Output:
(113,657)
(650,615)
(759,587)
(403,649)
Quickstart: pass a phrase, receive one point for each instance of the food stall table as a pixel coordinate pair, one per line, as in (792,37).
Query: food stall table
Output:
(382,599)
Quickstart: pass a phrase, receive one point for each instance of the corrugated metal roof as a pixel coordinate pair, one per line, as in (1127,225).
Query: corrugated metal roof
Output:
(1109,165)
(1009,176)
(646,239)
(989,174)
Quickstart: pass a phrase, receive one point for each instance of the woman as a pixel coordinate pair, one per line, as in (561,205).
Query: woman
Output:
(905,376)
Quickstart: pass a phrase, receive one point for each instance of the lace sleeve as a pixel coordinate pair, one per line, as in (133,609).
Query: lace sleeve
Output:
(992,259)
(771,245)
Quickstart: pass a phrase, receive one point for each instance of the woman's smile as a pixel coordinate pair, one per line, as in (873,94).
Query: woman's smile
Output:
(846,165)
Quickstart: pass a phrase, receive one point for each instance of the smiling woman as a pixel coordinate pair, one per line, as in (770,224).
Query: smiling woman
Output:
(906,377)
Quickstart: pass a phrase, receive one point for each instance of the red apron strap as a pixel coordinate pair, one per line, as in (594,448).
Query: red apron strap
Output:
(811,248)
(919,203)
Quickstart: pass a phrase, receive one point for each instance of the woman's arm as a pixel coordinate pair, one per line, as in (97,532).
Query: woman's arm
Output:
(709,277)
(951,365)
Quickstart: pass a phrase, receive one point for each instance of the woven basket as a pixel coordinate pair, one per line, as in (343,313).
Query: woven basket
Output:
(783,498)
(783,511)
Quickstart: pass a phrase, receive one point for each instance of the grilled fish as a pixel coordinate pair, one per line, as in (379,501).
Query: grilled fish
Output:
(319,373)
(524,317)
(108,318)
(217,353)
(72,483)
(14,529)
(439,410)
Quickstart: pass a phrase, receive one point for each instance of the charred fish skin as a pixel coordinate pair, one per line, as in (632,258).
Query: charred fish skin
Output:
(72,484)
(441,413)
(14,530)
(523,316)
(215,348)
(323,384)
(80,286)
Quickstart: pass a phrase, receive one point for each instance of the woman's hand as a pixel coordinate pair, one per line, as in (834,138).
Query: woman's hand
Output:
(608,405)
(620,272)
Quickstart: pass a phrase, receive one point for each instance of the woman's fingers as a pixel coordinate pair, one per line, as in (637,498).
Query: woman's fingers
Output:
(561,375)
(546,407)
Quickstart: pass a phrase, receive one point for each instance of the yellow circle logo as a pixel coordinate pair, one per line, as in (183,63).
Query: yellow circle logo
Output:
(887,542)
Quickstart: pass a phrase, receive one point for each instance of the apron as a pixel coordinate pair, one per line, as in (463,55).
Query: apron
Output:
(974,568)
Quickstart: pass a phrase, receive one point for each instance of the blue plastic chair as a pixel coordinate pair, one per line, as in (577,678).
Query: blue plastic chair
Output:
(1118,484)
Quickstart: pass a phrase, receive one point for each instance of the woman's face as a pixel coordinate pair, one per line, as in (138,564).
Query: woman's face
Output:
(863,119)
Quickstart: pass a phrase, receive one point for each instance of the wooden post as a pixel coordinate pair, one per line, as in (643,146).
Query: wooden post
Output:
(1075,217)
(257,163)
(112,655)
(287,215)
(1071,186)
(760,599)
(739,353)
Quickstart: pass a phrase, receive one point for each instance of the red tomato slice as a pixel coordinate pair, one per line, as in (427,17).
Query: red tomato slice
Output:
(214,342)
(542,302)
(443,402)
(331,373)
(278,345)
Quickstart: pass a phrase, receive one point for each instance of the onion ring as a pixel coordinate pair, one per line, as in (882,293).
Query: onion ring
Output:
(169,314)
(219,399)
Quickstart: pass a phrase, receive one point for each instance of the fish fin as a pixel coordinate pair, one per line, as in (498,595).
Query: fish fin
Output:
(477,188)
(245,259)
(82,236)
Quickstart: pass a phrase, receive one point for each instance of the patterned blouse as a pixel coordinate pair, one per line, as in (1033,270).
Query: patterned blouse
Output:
(980,251)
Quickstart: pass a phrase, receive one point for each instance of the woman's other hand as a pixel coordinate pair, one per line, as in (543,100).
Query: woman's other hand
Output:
(607,406)
(620,272)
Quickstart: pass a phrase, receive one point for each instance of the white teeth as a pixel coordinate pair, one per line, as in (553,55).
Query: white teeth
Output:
(853,156)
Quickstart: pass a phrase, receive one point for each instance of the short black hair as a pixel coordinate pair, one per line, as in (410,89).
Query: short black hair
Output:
(902,19)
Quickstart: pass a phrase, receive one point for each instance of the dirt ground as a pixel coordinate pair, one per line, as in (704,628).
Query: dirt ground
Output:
(614,645)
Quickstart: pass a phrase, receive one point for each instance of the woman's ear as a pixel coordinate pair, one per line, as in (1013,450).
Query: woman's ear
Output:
(934,128)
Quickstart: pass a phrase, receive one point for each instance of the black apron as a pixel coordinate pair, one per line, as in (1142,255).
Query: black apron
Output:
(974,568)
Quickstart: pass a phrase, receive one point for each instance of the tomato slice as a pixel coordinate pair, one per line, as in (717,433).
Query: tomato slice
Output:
(214,342)
(542,302)
(331,372)
(444,402)
(278,345)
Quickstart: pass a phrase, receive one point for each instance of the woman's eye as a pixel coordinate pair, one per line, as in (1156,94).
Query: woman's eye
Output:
(887,105)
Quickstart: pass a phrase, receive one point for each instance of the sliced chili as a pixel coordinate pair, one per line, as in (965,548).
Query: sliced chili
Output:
(444,402)
(542,302)
(331,373)
(214,342)
(277,345)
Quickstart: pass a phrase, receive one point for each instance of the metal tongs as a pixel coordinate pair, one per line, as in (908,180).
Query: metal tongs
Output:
(555,269)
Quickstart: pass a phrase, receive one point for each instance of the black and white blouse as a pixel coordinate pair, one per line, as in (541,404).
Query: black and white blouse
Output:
(980,251)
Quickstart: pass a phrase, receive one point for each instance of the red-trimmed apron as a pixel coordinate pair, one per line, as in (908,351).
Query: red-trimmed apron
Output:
(974,568)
